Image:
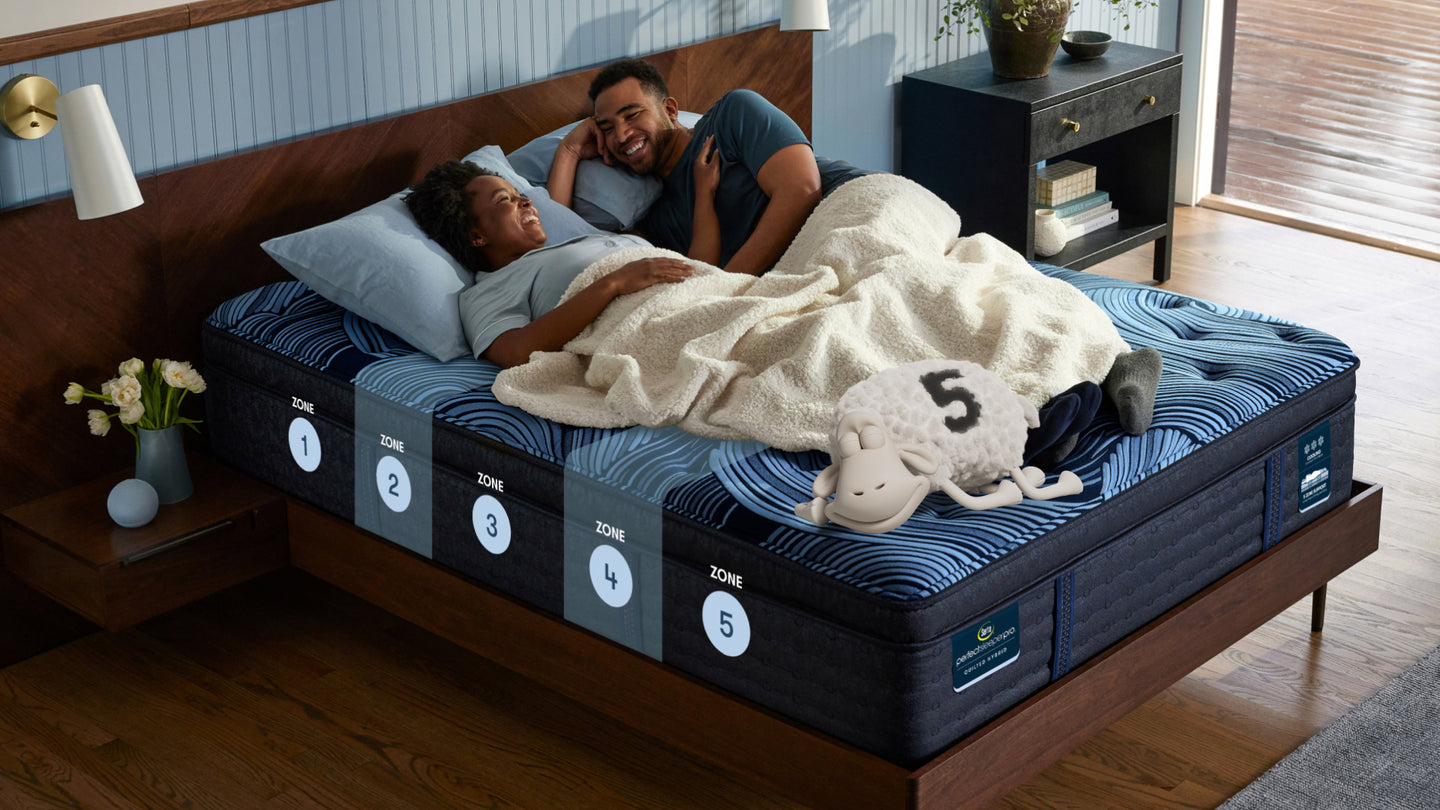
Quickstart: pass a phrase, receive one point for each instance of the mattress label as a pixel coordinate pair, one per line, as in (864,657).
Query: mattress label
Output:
(1315,467)
(614,550)
(393,472)
(985,647)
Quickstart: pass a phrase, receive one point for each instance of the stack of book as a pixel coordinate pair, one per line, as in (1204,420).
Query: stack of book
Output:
(1068,188)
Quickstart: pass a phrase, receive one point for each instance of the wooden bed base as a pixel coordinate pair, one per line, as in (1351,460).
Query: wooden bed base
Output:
(806,765)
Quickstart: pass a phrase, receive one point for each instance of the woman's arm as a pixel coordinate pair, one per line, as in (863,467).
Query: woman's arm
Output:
(705,230)
(551,331)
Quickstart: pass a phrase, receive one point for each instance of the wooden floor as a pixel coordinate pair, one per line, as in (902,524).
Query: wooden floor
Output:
(286,693)
(1335,113)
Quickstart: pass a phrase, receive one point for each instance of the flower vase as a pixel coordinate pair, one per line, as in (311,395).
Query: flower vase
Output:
(1050,233)
(160,462)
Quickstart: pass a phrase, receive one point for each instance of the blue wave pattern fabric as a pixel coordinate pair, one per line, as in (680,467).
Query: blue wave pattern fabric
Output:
(1223,366)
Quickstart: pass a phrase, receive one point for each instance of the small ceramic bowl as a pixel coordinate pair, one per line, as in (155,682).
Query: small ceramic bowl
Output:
(1085,44)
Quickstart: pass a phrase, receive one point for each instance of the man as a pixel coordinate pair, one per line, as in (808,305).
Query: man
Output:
(736,189)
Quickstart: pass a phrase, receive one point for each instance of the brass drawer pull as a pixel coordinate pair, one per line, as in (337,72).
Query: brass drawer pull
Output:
(146,553)
(1149,101)
(1073,126)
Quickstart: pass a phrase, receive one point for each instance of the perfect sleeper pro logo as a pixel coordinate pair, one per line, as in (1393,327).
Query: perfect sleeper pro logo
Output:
(986,646)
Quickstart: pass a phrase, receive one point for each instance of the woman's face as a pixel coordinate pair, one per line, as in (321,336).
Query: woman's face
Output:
(506,225)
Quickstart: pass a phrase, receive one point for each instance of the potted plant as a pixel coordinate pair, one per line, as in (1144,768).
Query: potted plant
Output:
(1022,35)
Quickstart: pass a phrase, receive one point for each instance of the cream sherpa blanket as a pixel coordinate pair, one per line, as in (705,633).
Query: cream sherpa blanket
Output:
(876,278)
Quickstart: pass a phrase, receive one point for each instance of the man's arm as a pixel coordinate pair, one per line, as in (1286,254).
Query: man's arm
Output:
(581,143)
(791,179)
(705,230)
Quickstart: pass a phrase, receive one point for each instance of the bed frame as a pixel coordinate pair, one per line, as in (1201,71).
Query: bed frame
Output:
(131,277)
(803,764)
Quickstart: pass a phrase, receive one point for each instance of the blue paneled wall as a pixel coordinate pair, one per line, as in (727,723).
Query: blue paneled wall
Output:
(195,95)
(872,45)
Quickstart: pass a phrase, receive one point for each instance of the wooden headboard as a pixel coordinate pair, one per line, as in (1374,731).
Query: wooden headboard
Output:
(80,297)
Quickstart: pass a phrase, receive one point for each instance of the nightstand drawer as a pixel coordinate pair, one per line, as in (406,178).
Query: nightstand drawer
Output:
(66,546)
(1090,118)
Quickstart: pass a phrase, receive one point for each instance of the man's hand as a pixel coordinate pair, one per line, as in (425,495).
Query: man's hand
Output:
(707,170)
(705,227)
(585,141)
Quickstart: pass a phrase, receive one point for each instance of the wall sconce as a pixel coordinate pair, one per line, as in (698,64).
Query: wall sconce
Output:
(805,15)
(100,173)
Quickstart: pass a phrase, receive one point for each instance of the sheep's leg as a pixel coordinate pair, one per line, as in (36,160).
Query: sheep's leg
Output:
(813,511)
(1004,495)
(1037,477)
(1068,484)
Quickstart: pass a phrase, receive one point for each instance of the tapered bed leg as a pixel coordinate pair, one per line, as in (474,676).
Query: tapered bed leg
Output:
(1317,609)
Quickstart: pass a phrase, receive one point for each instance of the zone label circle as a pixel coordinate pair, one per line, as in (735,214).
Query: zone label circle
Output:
(394,483)
(726,623)
(492,524)
(611,576)
(304,444)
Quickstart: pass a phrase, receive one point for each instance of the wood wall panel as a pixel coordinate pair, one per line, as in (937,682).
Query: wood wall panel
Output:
(79,300)
(215,216)
(80,297)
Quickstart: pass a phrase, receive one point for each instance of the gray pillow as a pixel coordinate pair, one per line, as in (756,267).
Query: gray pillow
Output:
(377,263)
(612,198)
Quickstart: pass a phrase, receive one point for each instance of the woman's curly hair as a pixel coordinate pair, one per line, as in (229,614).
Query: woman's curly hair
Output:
(441,207)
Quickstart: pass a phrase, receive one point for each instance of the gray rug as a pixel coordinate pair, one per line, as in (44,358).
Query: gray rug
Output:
(1384,753)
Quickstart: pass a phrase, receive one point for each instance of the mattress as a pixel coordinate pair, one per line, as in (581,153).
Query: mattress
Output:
(687,549)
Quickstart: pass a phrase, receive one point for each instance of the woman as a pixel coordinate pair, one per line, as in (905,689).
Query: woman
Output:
(514,308)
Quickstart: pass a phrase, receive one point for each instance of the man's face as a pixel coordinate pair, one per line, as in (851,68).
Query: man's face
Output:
(639,129)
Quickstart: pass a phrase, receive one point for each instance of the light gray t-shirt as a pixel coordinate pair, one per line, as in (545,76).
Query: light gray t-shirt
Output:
(530,286)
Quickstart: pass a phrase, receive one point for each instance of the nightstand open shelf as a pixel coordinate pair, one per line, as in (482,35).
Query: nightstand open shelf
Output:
(975,140)
(66,546)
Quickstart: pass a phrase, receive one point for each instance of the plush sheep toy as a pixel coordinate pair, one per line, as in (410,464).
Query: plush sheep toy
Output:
(935,424)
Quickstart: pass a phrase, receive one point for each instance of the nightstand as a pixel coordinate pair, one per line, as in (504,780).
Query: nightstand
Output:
(974,139)
(66,546)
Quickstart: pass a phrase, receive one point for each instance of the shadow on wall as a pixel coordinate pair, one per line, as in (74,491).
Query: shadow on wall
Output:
(592,41)
(856,87)
(608,37)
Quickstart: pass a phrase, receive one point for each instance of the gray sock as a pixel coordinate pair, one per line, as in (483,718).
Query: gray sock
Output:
(1131,385)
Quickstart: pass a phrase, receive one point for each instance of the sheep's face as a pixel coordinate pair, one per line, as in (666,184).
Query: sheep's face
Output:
(879,482)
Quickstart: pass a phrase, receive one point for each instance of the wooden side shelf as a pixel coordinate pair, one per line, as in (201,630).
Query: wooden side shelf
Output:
(800,763)
(67,547)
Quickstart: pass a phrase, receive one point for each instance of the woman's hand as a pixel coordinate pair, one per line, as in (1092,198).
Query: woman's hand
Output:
(707,170)
(647,273)
(642,273)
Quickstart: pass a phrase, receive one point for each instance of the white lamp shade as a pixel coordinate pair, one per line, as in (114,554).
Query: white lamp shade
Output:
(805,15)
(100,173)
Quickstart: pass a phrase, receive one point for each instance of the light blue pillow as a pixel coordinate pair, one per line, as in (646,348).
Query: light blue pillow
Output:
(561,223)
(377,263)
(612,198)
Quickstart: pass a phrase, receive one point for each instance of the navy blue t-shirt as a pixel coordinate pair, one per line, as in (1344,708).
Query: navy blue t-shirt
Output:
(748,131)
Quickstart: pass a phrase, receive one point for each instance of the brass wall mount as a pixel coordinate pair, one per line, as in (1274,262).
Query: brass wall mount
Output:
(27,105)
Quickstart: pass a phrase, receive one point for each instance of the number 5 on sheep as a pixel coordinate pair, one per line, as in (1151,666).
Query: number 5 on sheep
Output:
(905,432)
